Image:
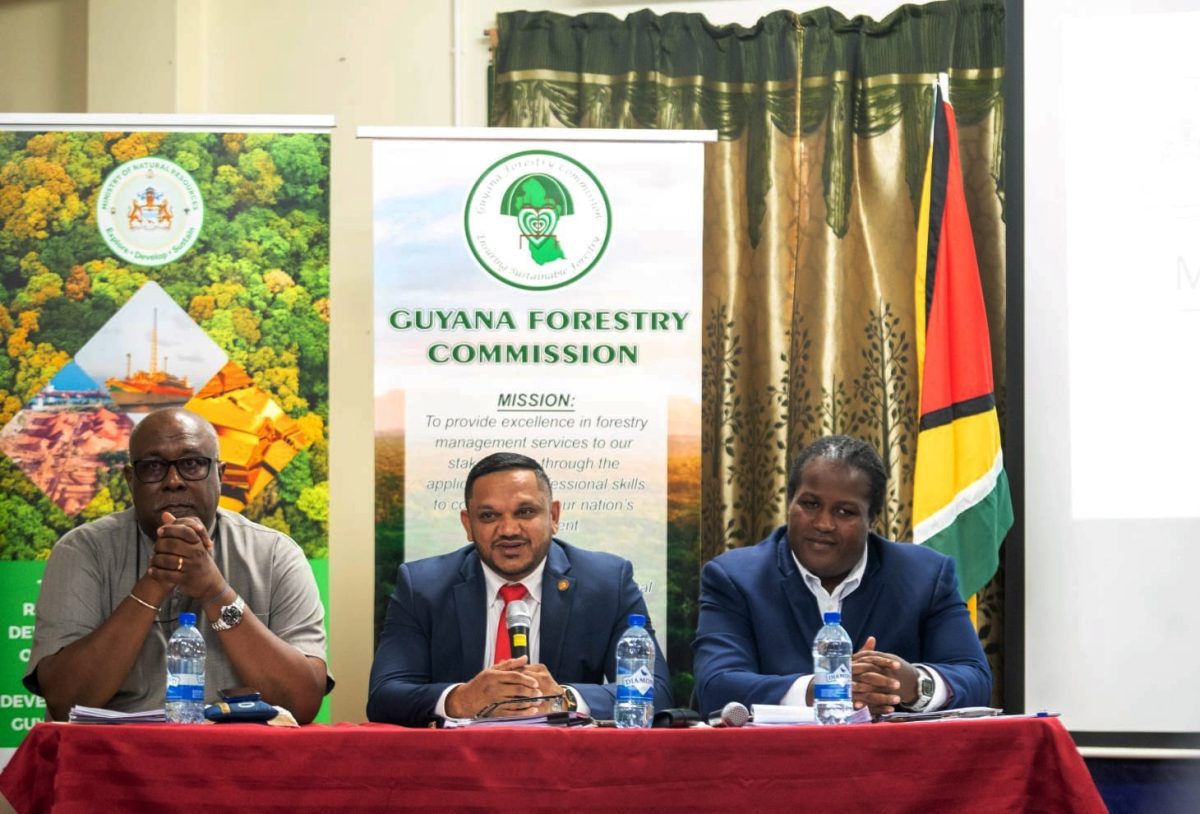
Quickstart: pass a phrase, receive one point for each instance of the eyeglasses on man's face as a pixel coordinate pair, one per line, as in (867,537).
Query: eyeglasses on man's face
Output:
(153,470)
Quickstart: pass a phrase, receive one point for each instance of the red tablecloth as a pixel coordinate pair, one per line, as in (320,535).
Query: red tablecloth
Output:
(1004,764)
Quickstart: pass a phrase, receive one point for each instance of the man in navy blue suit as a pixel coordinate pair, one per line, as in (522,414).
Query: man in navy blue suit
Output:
(443,647)
(761,606)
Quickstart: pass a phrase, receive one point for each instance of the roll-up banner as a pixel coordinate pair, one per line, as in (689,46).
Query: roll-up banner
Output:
(538,291)
(146,262)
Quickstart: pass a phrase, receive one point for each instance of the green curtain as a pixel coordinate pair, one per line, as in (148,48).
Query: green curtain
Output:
(811,195)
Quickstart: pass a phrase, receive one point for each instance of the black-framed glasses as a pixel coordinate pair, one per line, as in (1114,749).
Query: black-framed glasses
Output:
(153,470)
(516,706)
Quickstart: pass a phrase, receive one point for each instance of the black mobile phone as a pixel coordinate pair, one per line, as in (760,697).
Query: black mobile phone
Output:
(235,694)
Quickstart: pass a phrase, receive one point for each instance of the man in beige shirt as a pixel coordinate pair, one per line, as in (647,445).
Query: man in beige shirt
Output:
(113,590)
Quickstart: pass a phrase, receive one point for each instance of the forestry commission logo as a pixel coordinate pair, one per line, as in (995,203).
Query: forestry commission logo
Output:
(149,211)
(537,220)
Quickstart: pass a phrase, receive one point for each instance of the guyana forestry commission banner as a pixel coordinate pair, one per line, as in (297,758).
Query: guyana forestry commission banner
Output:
(144,263)
(538,291)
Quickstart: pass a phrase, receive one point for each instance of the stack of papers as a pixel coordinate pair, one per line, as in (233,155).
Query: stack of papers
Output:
(779,714)
(943,714)
(553,719)
(773,714)
(96,715)
(284,718)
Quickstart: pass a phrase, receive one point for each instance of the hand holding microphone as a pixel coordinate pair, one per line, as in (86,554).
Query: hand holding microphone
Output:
(518,619)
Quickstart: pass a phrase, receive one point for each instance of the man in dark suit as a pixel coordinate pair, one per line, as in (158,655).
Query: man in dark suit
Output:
(443,651)
(761,606)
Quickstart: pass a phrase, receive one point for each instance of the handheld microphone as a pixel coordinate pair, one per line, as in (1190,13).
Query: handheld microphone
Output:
(676,718)
(518,618)
(732,714)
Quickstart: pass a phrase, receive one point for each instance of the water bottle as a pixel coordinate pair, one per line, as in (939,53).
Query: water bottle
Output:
(831,654)
(635,675)
(185,673)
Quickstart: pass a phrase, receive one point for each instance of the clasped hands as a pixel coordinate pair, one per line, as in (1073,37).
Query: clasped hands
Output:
(514,683)
(183,559)
(881,681)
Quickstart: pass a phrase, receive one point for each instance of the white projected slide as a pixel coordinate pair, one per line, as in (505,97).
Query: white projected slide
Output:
(1133,261)
(1112,365)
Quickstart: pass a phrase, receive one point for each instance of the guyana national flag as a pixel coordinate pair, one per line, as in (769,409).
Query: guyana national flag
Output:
(961,504)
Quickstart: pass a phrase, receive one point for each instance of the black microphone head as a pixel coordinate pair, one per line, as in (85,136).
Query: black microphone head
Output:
(676,718)
(518,614)
(735,714)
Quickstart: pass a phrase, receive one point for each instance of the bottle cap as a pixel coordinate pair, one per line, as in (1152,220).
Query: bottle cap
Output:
(187,618)
(833,617)
(637,620)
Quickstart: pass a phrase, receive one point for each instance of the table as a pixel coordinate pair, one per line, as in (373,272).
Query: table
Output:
(1000,764)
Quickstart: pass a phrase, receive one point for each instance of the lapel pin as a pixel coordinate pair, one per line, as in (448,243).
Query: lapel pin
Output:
(563,585)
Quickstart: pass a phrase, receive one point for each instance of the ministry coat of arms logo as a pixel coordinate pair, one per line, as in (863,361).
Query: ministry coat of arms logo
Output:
(149,211)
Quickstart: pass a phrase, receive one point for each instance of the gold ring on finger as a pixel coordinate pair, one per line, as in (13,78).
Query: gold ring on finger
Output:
(179,566)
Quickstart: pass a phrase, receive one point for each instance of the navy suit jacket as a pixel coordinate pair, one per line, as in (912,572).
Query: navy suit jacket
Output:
(434,633)
(758,620)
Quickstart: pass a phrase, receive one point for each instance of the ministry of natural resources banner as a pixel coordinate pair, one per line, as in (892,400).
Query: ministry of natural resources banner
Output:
(146,264)
(540,296)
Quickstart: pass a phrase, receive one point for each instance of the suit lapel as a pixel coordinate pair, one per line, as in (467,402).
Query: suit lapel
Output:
(858,607)
(558,596)
(803,604)
(471,607)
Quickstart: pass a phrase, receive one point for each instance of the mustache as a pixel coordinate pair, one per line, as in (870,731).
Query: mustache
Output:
(511,539)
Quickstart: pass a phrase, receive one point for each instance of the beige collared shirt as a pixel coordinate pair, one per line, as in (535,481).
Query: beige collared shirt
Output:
(93,568)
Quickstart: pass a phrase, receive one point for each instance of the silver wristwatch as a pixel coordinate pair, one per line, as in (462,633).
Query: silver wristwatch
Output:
(925,688)
(230,615)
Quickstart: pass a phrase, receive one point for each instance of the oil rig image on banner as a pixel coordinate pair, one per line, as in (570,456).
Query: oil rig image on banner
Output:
(150,389)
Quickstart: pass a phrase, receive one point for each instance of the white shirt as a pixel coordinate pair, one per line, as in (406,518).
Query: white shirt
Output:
(833,602)
(798,693)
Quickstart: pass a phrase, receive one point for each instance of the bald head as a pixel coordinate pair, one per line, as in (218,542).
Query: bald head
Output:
(171,421)
(186,443)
